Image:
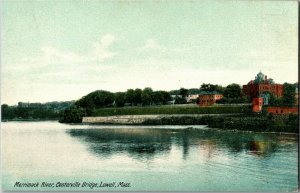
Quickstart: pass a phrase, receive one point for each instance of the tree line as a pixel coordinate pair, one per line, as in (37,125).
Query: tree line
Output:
(86,105)
(132,97)
(144,97)
(51,110)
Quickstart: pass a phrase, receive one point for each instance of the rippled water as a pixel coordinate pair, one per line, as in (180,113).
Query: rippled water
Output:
(149,158)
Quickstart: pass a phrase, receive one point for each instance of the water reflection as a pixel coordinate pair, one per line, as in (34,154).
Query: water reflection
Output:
(137,143)
(146,143)
(260,146)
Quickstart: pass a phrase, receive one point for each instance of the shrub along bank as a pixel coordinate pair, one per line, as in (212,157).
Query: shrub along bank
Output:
(260,123)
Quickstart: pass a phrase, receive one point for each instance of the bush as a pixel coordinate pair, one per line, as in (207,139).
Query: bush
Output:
(73,115)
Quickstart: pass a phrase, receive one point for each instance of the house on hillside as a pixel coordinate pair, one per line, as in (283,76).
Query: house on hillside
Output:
(208,98)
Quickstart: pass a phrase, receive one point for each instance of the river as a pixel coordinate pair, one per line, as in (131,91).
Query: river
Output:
(145,158)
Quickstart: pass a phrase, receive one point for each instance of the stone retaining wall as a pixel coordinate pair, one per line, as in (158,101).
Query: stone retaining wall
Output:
(134,119)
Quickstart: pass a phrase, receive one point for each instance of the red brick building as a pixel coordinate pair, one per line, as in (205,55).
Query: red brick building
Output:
(282,110)
(257,104)
(209,98)
(261,85)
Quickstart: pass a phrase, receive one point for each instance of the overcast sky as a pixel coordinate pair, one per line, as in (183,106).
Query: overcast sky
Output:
(62,50)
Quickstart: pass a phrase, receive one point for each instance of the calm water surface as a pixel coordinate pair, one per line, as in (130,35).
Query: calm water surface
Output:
(149,158)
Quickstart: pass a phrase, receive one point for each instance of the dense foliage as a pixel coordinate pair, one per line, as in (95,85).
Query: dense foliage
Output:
(73,115)
(287,100)
(233,94)
(51,110)
(103,99)
(212,87)
(96,99)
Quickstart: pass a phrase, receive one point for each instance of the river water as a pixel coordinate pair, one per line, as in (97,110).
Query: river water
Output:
(160,158)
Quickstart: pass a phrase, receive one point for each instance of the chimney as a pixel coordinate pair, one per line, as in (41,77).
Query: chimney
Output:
(266,78)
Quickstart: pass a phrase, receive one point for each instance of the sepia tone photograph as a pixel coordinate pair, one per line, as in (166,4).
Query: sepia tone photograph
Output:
(149,95)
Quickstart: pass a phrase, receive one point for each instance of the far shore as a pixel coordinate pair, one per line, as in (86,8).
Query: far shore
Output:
(28,120)
(143,125)
(237,121)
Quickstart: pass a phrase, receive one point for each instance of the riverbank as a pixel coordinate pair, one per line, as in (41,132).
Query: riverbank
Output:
(241,122)
(7,120)
(74,115)
(172,110)
(163,119)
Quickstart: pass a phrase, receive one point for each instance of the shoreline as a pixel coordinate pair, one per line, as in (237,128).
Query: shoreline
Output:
(188,127)
(205,127)
(230,121)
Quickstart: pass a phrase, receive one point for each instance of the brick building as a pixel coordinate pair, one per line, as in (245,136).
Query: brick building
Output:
(282,110)
(257,104)
(208,98)
(261,85)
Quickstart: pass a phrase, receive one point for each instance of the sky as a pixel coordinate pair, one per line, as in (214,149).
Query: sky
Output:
(60,50)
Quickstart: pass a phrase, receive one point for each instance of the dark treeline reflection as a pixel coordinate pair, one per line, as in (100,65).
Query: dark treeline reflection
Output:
(143,143)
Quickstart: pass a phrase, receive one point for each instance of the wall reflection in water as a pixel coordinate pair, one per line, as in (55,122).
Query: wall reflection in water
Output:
(141,143)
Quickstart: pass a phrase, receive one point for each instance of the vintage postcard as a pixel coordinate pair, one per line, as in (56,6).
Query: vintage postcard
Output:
(149,95)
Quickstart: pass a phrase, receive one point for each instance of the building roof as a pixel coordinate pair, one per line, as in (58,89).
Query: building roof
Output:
(209,93)
(261,78)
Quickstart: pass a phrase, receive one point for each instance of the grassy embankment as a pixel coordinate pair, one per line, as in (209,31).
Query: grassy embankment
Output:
(243,119)
(172,109)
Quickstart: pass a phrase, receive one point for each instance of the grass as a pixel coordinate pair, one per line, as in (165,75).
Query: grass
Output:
(171,109)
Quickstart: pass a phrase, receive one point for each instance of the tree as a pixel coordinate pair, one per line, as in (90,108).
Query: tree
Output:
(233,91)
(174,92)
(120,99)
(129,96)
(96,99)
(180,100)
(147,96)
(207,87)
(157,97)
(220,89)
(278,102)
(7,112)
(165,97)
(183,92)
(137,96)
(85,102)
(73,115)
(288,98)
(161,97)
(212,87)
(271,99)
